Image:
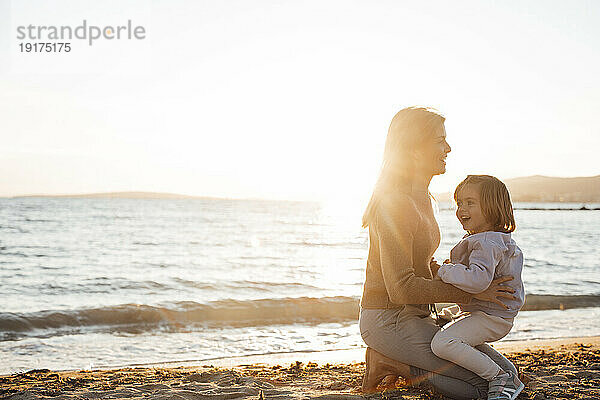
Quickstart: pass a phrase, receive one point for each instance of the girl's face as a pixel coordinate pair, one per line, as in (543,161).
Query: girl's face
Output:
(431,158)
(469,212)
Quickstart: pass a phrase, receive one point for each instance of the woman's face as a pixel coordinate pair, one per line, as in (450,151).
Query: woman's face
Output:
(430,159)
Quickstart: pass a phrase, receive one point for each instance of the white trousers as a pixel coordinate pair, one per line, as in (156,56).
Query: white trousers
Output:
(456,341)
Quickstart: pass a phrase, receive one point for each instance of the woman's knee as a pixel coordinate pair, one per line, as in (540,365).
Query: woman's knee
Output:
(439,345)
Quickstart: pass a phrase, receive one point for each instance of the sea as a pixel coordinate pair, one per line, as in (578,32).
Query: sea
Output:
(98,283)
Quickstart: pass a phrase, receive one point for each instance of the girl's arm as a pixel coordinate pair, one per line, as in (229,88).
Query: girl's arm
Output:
(478,275)
(434,267)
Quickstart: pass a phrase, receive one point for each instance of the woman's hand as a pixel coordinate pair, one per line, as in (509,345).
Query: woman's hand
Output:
(496,291)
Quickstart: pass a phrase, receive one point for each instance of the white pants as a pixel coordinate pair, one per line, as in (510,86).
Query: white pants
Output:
(456,341)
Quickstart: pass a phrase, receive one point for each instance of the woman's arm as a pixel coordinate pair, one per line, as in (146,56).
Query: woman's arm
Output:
(396,226)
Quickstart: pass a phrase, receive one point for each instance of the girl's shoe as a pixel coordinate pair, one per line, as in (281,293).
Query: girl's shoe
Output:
(380,368)
(505,387)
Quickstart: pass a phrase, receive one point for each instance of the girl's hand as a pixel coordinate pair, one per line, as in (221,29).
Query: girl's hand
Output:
(496,290)
(434,266)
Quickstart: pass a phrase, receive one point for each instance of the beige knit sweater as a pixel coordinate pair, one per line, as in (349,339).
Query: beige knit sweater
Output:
(402,239)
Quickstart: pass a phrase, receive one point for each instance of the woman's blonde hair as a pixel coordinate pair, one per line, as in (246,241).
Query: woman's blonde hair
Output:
(495,201)
(408,131)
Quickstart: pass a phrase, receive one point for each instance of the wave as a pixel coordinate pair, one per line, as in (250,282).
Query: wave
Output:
(317,243)
(14,228)
(539,302)
(17,254)
(92,286)
(219,313)
(234,313)
(246,284)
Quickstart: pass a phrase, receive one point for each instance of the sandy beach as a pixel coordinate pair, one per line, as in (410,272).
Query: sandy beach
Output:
(552,369)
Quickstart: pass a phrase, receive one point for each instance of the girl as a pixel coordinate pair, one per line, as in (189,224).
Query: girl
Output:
(485,253)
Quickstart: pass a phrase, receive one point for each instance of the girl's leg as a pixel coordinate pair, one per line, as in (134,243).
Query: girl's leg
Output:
(456,341)
(408,339)
(498,358)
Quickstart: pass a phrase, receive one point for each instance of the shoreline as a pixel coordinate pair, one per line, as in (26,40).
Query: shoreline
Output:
(550,368)
(349,356)
(335,356)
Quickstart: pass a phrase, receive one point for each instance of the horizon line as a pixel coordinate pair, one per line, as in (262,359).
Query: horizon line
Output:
(141,194)
(138,194)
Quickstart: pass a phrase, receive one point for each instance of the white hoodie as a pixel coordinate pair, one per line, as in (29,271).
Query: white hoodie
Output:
(480,258)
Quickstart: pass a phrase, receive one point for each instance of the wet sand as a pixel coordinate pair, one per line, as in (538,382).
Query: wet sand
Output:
(552,369)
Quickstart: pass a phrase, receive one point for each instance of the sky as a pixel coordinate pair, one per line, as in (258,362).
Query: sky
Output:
(292,99)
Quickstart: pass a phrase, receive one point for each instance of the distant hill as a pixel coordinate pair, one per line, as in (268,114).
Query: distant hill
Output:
(535,188)
(540,188)
(545,188)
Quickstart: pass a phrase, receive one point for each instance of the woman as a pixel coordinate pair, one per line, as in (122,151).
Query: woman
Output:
(395,317)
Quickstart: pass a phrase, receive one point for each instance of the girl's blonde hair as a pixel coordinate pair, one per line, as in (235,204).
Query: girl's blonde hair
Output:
(408,131)
(495,201)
